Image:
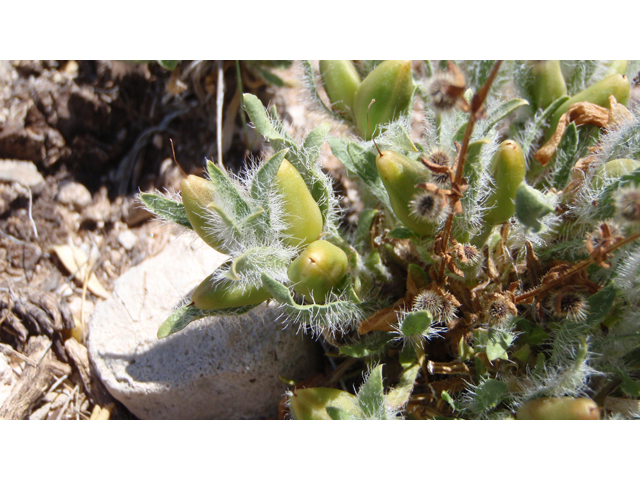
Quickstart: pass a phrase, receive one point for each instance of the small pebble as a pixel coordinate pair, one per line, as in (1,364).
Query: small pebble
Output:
(127,239)
(74,194)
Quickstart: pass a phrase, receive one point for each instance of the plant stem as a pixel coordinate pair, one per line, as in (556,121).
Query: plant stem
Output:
(476,106)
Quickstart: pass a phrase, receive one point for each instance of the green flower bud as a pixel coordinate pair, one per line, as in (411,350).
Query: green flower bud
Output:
(197,194)
(341,80)
(400,175)
(531,206)
(301,212)
(391,85)
(559,408)
(598,93)
(216,294)
(319,268)
(613,169)
(508,168)
(617,66)
(548,83)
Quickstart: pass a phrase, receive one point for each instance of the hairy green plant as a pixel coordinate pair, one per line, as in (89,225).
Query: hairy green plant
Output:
(494,269)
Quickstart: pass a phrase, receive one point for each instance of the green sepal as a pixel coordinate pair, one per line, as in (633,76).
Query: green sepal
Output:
(166,208)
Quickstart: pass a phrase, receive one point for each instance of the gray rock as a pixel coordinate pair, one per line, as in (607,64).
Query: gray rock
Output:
(219,368)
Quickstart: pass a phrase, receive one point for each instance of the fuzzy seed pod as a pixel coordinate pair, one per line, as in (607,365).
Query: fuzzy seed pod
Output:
(400,175)
(301,212)
(446,89)
(197,194)
(548,83)
(340,80)
(559,408)
(598,93)
(569,304)
(391,85)
(318,269)
(499,308)
(508,169)
(216,294)
(628,204)
(429,205)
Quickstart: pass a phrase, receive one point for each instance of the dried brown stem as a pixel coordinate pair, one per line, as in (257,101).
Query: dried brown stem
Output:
(476,108)
(576,268)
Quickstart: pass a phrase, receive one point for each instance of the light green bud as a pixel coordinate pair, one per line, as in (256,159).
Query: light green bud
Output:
(318,269)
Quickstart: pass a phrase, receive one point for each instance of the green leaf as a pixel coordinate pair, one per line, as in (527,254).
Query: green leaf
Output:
(166,208)
(225,189)
(263,180)
(539,124)
(312,88)
(401,233)
(337,413)
(168,64)
(363,164)
(449,399)
(566,156)
(400,395)
(365,220)
(316,139)
(497,344)
(371,395)
(489,394)
(280,293)
(416,323)
(372,344)
(493,117)
(183,316)
(258,115)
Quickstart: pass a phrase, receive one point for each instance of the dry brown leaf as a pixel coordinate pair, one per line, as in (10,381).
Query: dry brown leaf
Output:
(581,113)
(77,262)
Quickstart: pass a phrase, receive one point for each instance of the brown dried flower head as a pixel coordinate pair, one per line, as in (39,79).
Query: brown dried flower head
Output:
(430,204)
(499,307)
(628,204)
(442,158)
(569,304)
(446,89)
